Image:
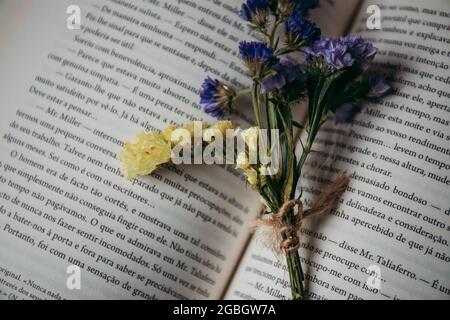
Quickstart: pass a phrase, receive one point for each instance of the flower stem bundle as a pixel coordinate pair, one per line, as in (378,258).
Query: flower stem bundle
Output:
(293,64)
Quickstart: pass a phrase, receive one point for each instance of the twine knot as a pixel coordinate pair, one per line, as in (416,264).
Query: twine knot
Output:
(282,228)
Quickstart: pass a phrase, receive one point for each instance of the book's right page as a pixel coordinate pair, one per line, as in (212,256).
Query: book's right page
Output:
(393,219)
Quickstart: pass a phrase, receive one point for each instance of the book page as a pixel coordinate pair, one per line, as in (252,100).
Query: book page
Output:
(69,100)
(388,237)
(335,16)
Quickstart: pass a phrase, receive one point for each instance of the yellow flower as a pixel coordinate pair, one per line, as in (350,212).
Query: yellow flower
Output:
(142,157)
(167,132)
(252,177)
(242,161)
(222,126)
(262,170)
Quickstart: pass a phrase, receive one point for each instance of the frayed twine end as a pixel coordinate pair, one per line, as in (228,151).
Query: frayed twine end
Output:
(281,234)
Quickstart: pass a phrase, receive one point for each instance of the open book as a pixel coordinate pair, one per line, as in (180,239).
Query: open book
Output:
(69,98)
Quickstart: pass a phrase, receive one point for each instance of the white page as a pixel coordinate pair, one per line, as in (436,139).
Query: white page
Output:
(369,228)
(87,192)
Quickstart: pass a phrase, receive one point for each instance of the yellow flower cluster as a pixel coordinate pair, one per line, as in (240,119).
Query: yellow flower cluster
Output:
(250,137)
(223,126)
(150,150)
(144,155)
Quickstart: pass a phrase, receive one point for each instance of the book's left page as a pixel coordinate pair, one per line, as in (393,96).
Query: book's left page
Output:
(68,100)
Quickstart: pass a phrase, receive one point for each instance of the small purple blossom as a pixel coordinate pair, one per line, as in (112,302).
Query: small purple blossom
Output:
(215,97)
(286,72)
(257,56)
(346,113)
(298,28)
(378,86)
(255,51)
(335,53)
(255,11)
(344,52)
(361,50)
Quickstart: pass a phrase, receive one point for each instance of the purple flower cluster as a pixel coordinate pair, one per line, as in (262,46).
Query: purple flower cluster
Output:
(255,51)
(215,97)
(251,9)
(344,52)
(361,50)
(287,72)
(334,53)
(288,81)
(257,56)
(299,28)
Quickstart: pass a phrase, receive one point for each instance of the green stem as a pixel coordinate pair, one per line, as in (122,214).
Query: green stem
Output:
(273,33)
(293,259)
(295,275)
(317,109)
(271,112)
(257,103)
(285,51)
(307,149)
(294,265)
(298,124)
(243,92)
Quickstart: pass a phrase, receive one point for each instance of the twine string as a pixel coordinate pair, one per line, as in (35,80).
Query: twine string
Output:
(282,234)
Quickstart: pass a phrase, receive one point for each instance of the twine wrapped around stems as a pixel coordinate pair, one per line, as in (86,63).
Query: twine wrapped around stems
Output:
(279,223)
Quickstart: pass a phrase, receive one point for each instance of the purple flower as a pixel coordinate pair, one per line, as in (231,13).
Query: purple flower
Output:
(377,84)
(216,97)
(298,29)
(346,113)
(255,51)
(255,11)
(257,56)
(334,53)
(342,53)
(287,72)
(361,50)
